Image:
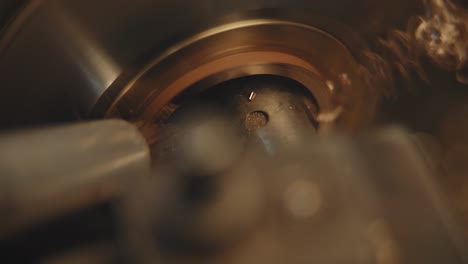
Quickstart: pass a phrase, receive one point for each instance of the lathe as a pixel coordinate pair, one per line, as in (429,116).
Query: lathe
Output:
(261,131)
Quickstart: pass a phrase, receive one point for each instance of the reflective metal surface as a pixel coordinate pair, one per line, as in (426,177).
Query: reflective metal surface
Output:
(297,51)
(144,60)
(58,57)
(45,173)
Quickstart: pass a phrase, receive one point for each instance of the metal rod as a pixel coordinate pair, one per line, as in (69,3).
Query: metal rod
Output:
(51,171)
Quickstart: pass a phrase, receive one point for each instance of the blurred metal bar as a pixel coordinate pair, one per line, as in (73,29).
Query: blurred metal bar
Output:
(331,199)
(47,172)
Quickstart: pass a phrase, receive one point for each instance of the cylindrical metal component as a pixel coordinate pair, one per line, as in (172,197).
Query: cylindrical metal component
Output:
(268,110)
(72,52)
(46,172)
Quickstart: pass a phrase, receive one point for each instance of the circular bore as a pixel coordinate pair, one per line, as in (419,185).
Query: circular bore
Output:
(260,46)
(256,120)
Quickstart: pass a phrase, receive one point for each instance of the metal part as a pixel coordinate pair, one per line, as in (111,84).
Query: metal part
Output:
(329,200)
(281,112)
(145,61)
(267,46)
(47,172)
(72,55)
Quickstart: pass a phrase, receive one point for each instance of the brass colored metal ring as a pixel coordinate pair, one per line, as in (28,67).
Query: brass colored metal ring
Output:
(297,51)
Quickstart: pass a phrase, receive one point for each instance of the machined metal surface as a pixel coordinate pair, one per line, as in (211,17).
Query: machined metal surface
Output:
(73,51)
(143,61)
(268,46)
